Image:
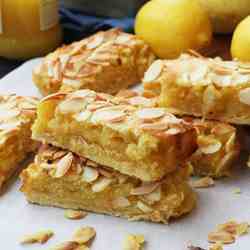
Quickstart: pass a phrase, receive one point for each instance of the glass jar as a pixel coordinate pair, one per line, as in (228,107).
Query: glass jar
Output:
(28,28)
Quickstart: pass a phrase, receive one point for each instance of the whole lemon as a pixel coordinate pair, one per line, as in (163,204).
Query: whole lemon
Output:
(171,27)
(240,47)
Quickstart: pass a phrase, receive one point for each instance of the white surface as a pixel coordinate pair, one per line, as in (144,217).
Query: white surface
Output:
(215,205)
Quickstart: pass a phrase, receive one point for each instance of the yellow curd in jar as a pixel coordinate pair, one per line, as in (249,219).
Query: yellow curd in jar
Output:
(28,28)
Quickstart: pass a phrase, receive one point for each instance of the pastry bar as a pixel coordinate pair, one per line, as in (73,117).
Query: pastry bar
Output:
(218,148)
(202,87)
(60,178)
(16,117)
(106,62)
(146,143)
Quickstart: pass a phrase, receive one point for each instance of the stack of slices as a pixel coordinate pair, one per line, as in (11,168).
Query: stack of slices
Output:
(109,155)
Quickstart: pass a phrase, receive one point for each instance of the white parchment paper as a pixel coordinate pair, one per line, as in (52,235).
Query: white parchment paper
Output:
(215,205)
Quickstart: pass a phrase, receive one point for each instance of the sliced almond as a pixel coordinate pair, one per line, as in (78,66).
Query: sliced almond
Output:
(72,82)
(89,174)
(174,131)
(123,38)
(204,182)
(109,116)
(40,237)
(71,106)
(141,101)
(82,94)
(82,116)
(84,235)
(208,145)
(64,165)
(143,207)
(101,184)
(75,214)
(68,245)
(154,71)
(97,41)
(155,196)
(150,114)
(157,126)
(121,202)
(221,236)
(97,105)
(126,93)
(244,96)
(133,242)
(145,188)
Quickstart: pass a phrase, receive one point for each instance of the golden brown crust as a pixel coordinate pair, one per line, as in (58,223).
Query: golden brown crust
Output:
(16,117)
(59,178)
(144,142)
(202,87)
(107,62)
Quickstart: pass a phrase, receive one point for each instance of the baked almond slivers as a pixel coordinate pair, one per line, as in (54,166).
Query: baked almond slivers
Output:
(40,237)
(84,235)
(75,214)
(133,242)
(204,182)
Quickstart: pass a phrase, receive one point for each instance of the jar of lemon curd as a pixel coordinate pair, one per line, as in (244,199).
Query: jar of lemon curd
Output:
(28,28)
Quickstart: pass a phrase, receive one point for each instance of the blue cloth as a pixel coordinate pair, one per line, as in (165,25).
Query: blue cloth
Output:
(77,25)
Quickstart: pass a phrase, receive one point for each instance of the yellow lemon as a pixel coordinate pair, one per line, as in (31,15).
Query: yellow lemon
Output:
(240,47)
(171,27)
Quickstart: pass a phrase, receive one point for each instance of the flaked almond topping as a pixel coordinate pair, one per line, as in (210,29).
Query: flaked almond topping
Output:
(40,237)
(244,96)
(133,242)
(98,39)
(150,114)
(64,59)
(82,94)
(123,38)
(71,106)
(221,236)
(221,129)
(121,202)
(143,207)
(84,235)
(141,101)
(89,174)
(97,105)
(208,145)
(7,114)
(75,214)
(57,71)
(157,126)
(154,196)
(82,116)
(109,115)
(154,71)
(101,184)
(71,82)
(56,96)
(145,188)
(68,245)
(64,165)
(174,131)
(203,182)
(126,93)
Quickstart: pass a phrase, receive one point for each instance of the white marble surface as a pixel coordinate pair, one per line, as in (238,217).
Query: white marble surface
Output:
(215,205)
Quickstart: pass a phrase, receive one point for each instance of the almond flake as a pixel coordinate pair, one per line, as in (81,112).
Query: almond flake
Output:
(133,242)
(84,235)
(97,41)
(71,82)
(154,71)
(223,237)
(157,126)
(208,145)
(56,96)
(123,39)
(145,188)
(150,114)
(204,182)
(82,116)
(174,131)
(64,59)
(89,174)
(101,184)
(68,245)
(244,96)
(109,116)
(40,237)
(71,106)
(141,101)
(143,207)
(83,93)
(126,93)
(121,202)
(75,214)
(64,165)
(97,105)
(155,196)
(221,129)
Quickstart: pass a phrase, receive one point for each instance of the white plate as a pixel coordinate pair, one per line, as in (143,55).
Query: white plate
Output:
(215,205)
